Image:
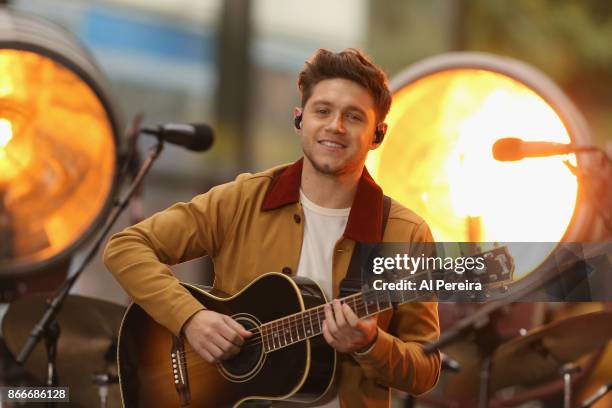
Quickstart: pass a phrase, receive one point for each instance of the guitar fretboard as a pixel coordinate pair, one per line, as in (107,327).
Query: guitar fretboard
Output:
(301,326)
(304,325)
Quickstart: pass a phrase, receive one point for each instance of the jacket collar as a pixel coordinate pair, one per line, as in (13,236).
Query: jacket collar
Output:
(365,219)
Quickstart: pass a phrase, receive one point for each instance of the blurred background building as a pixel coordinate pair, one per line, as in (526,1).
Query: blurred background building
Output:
(234,64)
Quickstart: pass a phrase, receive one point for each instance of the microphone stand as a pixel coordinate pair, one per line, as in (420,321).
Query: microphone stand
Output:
(488,340)
(48,327)
(597,184)
(481,323)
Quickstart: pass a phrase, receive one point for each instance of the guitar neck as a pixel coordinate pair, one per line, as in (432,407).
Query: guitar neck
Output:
(498,269)
(309,323)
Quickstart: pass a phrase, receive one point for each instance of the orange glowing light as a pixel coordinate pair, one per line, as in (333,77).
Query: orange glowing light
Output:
(6,133)
(437,160)
(57,154)
(14,155)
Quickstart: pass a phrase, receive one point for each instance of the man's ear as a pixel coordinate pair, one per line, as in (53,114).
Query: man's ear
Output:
(379,134)
(297,118)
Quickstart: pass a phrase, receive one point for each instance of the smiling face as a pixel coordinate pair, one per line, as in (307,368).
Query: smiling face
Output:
(337,128)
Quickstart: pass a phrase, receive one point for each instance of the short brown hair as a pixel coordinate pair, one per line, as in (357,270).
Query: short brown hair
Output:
(351,64)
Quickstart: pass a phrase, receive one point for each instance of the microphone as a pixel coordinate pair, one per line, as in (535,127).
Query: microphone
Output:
(197,136)
(513,149)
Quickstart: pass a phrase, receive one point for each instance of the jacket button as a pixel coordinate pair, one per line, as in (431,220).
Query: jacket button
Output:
(297,218)
(287,270)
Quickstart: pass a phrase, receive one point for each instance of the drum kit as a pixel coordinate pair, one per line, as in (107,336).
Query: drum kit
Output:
(536,364)
(86,349)
(86,353)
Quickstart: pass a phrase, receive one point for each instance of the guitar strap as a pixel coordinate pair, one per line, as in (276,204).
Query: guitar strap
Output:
(356,274)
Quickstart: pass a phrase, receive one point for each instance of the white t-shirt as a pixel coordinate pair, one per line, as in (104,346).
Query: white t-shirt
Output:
(323,227)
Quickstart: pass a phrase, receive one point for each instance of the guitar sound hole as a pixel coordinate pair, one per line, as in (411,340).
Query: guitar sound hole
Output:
(250,355)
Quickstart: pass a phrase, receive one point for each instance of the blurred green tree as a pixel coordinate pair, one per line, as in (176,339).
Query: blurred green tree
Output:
(569,40)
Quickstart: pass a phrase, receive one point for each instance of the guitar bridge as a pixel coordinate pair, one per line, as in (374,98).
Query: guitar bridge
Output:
(179,370)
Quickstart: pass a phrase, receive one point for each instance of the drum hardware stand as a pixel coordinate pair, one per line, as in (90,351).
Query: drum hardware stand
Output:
(600,393)
(51,335)
(484,376)
(566,371)
(47,327)
(103,379)
(487,339)
(481,324)
(448,364)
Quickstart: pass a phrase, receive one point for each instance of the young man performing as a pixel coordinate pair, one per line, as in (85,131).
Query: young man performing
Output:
(302,219)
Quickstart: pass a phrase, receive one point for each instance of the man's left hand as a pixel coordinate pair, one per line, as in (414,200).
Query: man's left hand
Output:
(345,332)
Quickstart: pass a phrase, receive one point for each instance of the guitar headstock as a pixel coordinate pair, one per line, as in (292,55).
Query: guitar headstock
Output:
(489,271)
(499,268)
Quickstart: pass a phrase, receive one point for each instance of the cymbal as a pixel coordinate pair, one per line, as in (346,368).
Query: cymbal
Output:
(87,343)
(540,354)
(463,386)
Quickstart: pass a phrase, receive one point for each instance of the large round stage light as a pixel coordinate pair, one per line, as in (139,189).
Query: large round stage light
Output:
(447,113)
(59,136)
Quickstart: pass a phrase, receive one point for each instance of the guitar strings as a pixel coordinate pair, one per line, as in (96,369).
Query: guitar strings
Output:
(190,353)
(271,335)
(366,293)
(287,324)
(254,341)
(195,367)
(359,305)
(359,308)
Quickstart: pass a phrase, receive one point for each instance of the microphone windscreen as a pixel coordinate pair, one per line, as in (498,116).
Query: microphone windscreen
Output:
(203,137)
(508,149)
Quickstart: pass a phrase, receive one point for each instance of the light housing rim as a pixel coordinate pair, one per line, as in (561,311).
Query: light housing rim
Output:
(576,125)
(521,72)
(21,31)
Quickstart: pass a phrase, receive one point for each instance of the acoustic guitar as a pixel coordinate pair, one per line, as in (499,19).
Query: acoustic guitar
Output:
(285,359)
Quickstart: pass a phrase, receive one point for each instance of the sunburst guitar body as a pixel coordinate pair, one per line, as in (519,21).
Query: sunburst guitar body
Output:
(284,359)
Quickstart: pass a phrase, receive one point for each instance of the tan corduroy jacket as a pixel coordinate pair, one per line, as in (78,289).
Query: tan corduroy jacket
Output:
(255,225)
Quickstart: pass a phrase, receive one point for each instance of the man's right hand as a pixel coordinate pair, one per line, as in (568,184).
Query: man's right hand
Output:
(215,336)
